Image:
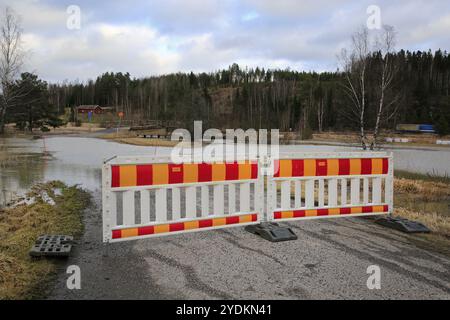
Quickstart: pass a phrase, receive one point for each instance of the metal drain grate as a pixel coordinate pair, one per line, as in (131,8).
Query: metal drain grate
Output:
(52,246)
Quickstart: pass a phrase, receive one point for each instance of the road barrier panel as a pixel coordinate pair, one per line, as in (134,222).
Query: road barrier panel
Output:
(329,185)
(151,196)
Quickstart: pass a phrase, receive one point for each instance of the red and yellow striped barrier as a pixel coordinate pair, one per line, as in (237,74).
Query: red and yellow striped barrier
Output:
(163,174)
(329,212)
(183,226)
(330,167)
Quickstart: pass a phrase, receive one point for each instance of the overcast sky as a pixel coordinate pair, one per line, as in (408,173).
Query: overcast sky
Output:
(161,36)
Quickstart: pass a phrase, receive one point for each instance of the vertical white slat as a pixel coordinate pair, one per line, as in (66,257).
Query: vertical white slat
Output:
(309,193)
(376,190)
(205,201)
(145,206)
(389,188)
(176,204)
(321,194)
(332,192)
(161,205)
(128,208)
(244,197)
(113,209)
(366,190)
(231,198)
(218,200)
(355,191)
(298,194)
(344,192)
(191,202)
(285,194)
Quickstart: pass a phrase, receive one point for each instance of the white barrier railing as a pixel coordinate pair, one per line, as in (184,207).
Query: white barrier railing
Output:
(150,196)
(324,185)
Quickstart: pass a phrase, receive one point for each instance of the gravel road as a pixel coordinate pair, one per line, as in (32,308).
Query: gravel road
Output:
(328,261)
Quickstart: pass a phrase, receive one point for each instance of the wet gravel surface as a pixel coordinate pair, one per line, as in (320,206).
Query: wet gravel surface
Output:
(328,261)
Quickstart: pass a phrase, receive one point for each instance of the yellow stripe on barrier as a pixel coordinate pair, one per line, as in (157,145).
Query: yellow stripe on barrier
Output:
(191,225)
(333,167)
(285,168)
(160,174)
(190,173)
(355,166)
(245,171)
(356,210)
(128,176)
(377,166)
(218,172)
(310,167)
(163,228)
(219,222)
(287,214)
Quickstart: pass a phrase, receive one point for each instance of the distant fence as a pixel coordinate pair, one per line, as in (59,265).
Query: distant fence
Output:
(151,196)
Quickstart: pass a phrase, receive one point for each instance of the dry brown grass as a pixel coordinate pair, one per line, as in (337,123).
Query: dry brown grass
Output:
(438,224)
(21,276)
(128,137)
(426,190)
(353,137)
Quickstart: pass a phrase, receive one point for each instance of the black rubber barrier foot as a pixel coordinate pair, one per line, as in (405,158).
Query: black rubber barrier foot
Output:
(272,232)
(52,246)
(402,224)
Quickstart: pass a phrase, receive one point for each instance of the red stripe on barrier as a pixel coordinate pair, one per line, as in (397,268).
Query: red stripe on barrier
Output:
(298,169)
(143,231)
(116,234)
(175,173)
(144,175)
(232,171)
(254,217)
(254,170)
(386,208)
(204,172)
(367,209)
(298,214)
(344,167)
(232,220)
(206,223)
(366,166)
(276,168)
(385,165)
(345,210)
(115,176)
(321,167)
(277,215)
(176,227)
(322,212)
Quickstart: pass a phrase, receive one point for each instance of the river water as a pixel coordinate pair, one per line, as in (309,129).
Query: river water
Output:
(77,160)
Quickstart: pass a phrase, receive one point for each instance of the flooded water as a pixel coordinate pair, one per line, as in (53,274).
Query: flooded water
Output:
(78,160)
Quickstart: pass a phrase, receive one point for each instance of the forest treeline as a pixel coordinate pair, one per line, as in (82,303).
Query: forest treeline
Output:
(259,98)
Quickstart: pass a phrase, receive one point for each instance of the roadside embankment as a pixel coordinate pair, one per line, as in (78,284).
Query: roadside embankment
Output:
(131,138)
(49,208)
(425,198)
(385,138)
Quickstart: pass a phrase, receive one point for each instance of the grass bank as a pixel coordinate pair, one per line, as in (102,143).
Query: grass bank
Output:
(127,138)
(425,198)
(22,277)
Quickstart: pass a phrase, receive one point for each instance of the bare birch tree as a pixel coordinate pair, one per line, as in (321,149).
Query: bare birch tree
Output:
(11,58)
(385,45)
(354,65)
